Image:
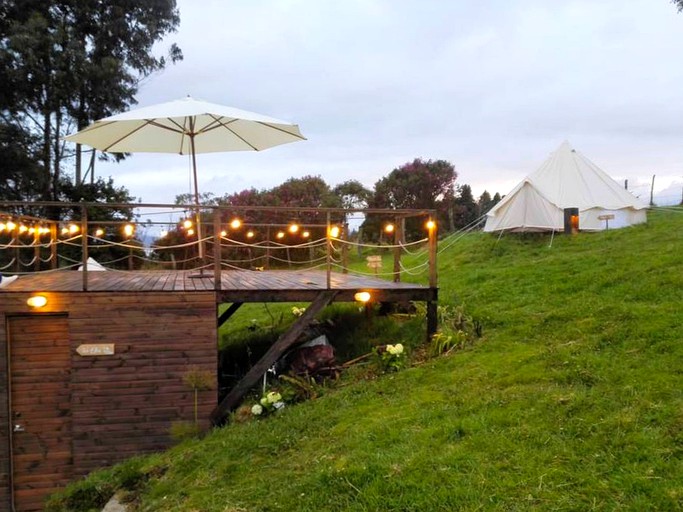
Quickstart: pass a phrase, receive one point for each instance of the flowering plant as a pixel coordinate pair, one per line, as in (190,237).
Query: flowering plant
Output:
(269,403)
(298,311)
(391,357)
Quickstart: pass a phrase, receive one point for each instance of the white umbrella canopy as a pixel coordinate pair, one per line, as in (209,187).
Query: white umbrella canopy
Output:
(187,127)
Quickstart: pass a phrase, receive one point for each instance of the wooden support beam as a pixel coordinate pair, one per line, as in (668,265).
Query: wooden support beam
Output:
(284,342)
(229,312)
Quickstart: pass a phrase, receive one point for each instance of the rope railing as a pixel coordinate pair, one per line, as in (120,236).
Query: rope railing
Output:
(267,241)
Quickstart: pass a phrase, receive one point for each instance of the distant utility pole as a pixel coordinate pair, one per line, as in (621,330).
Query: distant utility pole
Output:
(652,191)
(626,184)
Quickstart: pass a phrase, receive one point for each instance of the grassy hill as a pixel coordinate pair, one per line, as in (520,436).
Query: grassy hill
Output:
(572,400)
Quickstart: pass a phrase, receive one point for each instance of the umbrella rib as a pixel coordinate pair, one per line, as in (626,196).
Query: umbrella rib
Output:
(225,125)
(127,135)
(274,127)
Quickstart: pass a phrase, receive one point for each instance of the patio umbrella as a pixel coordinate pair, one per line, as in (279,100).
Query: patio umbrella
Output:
(187,127)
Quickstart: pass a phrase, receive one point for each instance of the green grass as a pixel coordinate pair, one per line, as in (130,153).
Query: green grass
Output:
(572,400)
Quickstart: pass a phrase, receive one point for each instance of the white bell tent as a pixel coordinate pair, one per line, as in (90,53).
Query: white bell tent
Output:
(567,179)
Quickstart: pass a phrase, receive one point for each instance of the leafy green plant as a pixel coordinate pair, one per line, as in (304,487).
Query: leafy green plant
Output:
(198,380)
(390,358)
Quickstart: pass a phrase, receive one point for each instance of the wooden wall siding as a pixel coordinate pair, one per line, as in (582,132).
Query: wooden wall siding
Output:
(4,423)
(124,404)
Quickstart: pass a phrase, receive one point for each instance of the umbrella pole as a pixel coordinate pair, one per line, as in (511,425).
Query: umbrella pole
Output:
(196,202)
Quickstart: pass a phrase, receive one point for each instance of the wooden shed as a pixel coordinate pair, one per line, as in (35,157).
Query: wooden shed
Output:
(94,378)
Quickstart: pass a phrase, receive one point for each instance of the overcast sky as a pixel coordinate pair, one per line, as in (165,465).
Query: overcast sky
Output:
(492,86)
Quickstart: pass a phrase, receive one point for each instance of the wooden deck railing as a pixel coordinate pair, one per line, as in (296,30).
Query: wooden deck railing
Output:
(43,235)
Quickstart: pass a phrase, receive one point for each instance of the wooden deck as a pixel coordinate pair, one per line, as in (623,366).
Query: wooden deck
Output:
(236,285)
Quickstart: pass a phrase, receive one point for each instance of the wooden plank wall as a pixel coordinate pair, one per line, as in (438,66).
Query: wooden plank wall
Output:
(124,404)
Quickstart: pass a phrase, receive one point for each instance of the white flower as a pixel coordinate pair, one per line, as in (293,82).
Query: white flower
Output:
(390,349)
(273,397)
(398,349)
(257,410)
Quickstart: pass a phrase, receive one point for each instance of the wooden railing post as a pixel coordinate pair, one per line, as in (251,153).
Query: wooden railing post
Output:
(397,250)
(345,248)
(53,246)
(329,252)
(217,248)
(84,245)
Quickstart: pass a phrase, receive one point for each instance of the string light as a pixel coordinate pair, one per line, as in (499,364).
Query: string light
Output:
(2,226)
(187,224)
(294,228)
(235,223)
(306,234)
(430,224)
(389,228)
(280,235)
(31,230)
(65,230)
(73,229)
(250,234)
(334,231)
(99,232)
(190,232)
(10,225)
(23,229)
(128,230)
(224,233)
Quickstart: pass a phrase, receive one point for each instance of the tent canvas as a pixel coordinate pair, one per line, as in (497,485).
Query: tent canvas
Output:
(567,179)
(93,265)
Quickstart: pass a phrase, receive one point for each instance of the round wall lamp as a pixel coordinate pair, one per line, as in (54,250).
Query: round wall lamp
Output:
(36,301)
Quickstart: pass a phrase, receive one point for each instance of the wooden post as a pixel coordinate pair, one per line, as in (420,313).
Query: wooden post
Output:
(432,252)
(84,246)
(266,265)
(217,249)
(397,250)
(345,248)
(36,249)
(652,191)
(53,246)
(329,253)
(432,319)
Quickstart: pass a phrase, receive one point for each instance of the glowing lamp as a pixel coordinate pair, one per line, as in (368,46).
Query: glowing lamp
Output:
(389,228)
(23,229)
(334,231)
(2,226)
(10,226)
(99,232)
(235,223)
(73,229)
(190,232)
(362,296)
(280,235)
(36,301)
(128,230)
(293,228)
(430,224)
(31,230)
(250,234)
(224,233)
(306,234)
(65,230)
(187,224)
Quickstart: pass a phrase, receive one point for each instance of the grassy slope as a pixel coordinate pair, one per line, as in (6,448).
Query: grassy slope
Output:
(573,400)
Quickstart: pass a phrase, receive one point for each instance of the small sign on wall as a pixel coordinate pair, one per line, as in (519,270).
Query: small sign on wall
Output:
(97,349)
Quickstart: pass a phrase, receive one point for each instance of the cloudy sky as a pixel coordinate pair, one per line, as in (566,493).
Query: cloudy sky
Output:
(492,86)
